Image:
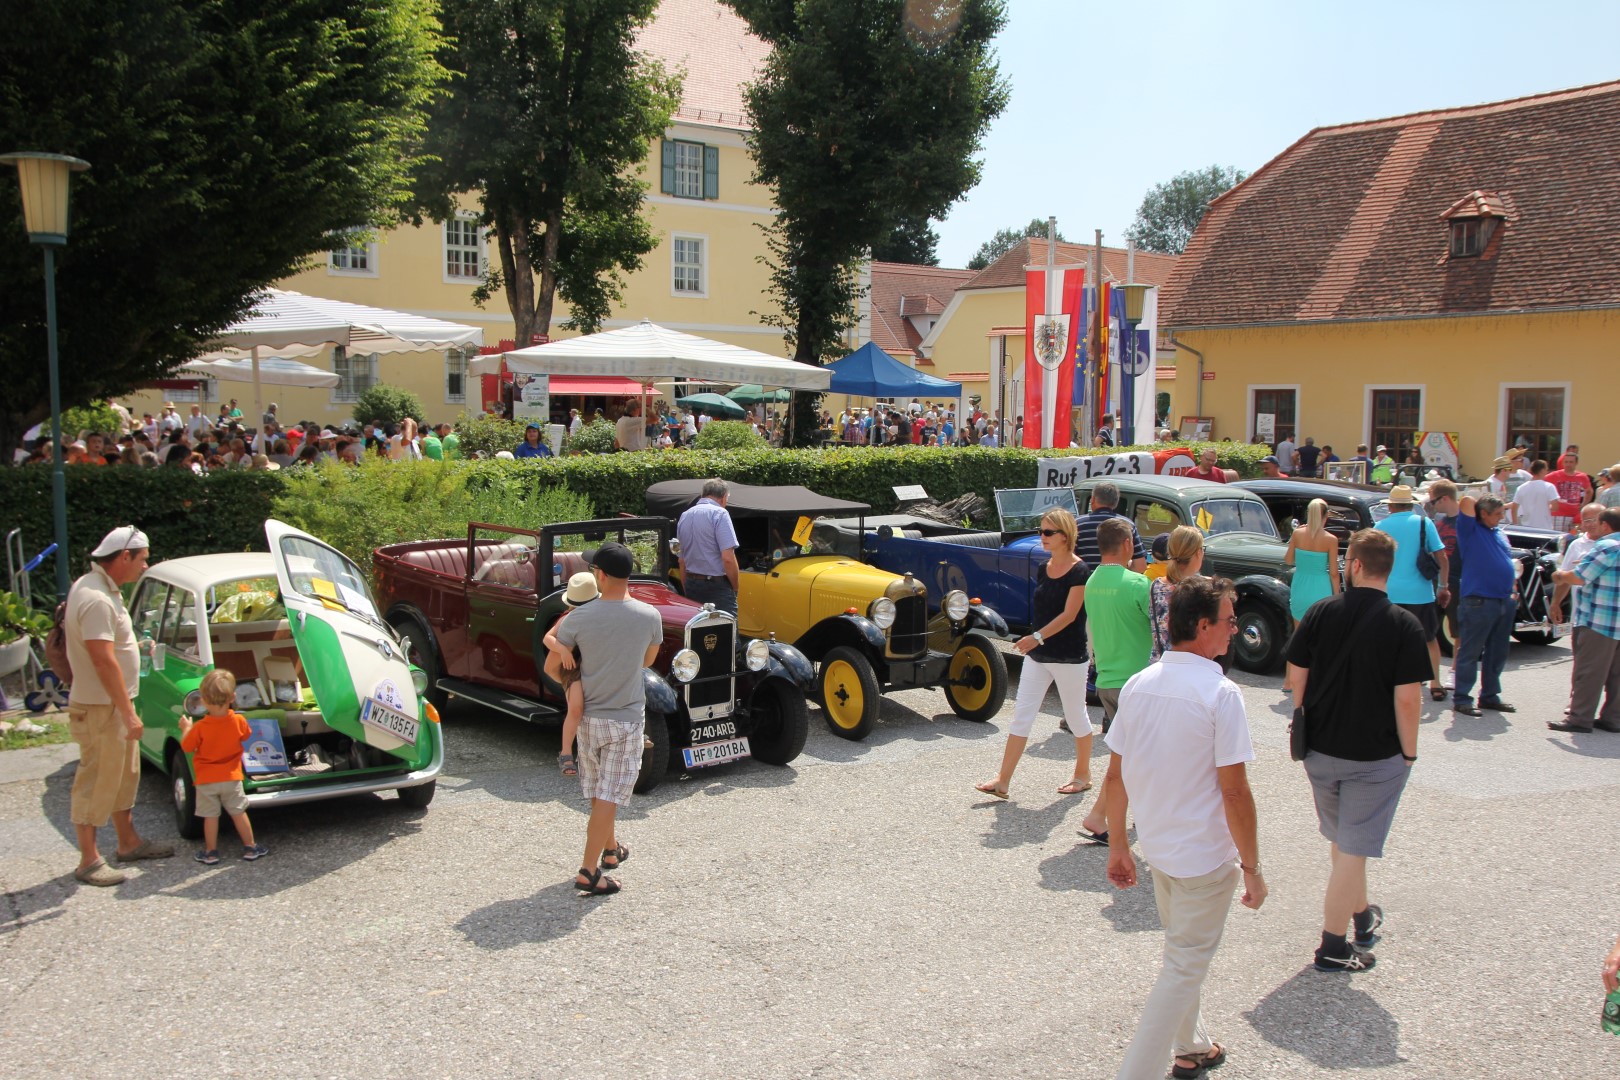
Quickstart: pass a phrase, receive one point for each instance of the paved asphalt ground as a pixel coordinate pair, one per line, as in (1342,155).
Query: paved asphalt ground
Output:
(861,913)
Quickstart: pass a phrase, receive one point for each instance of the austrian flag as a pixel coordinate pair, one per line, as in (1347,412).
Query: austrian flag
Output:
(1052,328)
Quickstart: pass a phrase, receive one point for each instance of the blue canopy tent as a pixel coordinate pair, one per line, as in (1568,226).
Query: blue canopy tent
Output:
(871,372)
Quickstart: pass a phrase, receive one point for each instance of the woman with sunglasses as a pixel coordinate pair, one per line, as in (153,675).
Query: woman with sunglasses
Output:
(1054,652)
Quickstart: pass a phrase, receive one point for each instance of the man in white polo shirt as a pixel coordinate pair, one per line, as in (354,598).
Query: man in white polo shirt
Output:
(1178,746)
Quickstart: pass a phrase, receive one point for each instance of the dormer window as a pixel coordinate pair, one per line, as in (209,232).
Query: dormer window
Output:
(1472,220)
(1469,235)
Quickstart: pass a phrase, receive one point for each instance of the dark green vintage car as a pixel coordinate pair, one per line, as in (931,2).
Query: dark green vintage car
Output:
(1240,542)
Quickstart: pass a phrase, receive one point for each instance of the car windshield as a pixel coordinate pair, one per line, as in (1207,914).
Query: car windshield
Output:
(1379,510)
(1215,517)
(323,574)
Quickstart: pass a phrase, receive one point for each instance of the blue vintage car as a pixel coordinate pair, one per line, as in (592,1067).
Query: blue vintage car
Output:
(1241,542)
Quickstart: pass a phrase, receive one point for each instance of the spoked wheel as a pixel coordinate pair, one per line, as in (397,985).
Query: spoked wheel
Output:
(849,692)
(976,681)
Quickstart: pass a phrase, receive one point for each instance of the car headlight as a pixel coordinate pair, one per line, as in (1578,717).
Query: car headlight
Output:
(956,605)
(419,681)
(684,665)
(758,654)
(194,704)
(882,612)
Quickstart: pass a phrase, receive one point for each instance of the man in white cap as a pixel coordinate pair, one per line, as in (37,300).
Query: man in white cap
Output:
(105,659)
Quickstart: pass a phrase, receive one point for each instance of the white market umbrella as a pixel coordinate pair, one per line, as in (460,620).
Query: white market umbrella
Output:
(275,370)
(648,352)
(289,322)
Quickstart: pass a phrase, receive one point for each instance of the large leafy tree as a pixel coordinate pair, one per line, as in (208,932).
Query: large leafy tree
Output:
(913,241)
(1004,240)
(868,113)
(549,118)
(228,141)
(1172,210)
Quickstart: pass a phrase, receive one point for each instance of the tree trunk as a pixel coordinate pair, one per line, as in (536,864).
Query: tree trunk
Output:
(517,273)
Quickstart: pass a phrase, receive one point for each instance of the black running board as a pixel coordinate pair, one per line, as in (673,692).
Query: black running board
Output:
(511,704)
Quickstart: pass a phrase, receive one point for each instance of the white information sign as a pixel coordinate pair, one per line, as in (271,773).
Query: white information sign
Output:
(1265,427)
(1068,471)
(531,397)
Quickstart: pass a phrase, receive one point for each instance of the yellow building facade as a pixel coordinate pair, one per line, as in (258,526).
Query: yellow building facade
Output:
(1489,378)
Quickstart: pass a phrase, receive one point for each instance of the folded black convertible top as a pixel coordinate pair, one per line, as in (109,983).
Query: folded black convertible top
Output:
(670,498)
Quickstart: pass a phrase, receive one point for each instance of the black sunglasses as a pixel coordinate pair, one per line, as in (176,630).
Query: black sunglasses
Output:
(1051,532)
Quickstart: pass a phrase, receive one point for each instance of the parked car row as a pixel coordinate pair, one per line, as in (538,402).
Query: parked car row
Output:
(342,686)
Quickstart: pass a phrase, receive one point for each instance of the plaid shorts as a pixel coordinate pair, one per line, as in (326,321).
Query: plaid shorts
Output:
(609,758)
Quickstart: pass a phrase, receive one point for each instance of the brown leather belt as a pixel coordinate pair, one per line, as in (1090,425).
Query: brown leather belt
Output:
(709,577)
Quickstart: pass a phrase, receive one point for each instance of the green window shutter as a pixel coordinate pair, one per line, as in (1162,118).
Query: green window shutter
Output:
(667,185)
(711,172)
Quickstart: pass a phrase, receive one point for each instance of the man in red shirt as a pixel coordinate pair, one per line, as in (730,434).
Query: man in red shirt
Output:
(1574,487)
(1270,467)
(1207,469)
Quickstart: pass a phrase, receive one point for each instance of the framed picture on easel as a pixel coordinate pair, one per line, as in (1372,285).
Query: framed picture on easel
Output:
(1197,428)
(1354,472)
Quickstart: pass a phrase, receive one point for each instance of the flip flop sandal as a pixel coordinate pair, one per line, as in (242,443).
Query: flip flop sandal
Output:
(1074,788)
(568,764)
(1094,837)
(598,886)
(620,855)
(1438,693)
(990,789)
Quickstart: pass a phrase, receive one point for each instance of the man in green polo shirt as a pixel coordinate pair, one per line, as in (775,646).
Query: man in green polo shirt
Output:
(432,448)
(449,441)
(1119,616)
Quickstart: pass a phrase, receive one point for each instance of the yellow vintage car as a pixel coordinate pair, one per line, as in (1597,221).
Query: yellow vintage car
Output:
(868,629)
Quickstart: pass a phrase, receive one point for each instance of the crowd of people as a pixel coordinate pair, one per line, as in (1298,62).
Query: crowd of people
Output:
(1362,652)
(202,443)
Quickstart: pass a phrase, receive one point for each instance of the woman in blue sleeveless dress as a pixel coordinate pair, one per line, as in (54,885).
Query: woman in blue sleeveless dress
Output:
(1313,552)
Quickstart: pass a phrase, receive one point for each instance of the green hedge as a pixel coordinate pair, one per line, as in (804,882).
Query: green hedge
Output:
(180,512)
(186,514)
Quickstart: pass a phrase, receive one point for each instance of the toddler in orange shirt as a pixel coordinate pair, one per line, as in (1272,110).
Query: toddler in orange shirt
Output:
(215,743)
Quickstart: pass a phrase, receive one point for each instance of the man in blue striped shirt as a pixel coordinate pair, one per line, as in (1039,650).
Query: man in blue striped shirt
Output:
(1596,639)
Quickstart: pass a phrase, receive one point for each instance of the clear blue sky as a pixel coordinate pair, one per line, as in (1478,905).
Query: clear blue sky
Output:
(1109,99)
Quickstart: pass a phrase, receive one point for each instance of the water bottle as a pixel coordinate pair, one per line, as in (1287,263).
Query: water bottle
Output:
(1611,1012)
(145,648)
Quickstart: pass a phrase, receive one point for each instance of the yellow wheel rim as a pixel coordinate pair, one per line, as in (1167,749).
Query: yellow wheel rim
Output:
(964,662)
(841,687)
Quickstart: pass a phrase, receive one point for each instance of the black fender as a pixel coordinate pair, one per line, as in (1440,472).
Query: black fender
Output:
(982,617)
(856,631)
(660,696)
(789,663)
(405,610)
(1269,589)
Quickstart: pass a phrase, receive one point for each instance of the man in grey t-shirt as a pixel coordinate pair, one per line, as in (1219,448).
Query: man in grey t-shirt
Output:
(616,637)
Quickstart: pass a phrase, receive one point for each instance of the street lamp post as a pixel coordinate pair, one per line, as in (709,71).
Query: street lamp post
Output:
(1131,363)
(44,182)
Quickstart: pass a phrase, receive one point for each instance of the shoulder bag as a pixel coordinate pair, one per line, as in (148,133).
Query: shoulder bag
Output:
(1329,675)
(1427,564)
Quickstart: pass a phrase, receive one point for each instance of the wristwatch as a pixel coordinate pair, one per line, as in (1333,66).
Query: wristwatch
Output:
(1040,639)
(1255,869)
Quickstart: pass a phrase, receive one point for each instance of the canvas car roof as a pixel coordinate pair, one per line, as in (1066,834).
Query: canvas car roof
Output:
(670,498)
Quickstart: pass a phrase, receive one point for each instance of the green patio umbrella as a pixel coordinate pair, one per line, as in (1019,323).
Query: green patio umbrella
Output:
(713,404)
(749,393)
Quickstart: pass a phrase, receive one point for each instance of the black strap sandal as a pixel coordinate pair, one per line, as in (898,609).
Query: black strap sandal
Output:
(620,855)
(1215,1056)
(598,886)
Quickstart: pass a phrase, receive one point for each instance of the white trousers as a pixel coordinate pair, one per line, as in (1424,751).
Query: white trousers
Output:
(1033,683)
(1193,911)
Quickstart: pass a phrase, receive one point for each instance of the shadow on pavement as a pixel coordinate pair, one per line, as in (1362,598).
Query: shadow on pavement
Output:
(1323,1017)
(1594,744)
(39,904)
(1476,728)
(1084,868)
(553,912)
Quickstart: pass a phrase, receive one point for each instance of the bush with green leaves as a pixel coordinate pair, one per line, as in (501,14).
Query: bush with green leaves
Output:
(595,437)
(18,620)
(95,417)
(729,435)
(359,508)
(384,404)
(484,436)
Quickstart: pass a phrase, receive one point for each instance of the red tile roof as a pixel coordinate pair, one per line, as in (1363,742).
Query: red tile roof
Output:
(1008,270)
(900,289)
(712,43)
(1347,222)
